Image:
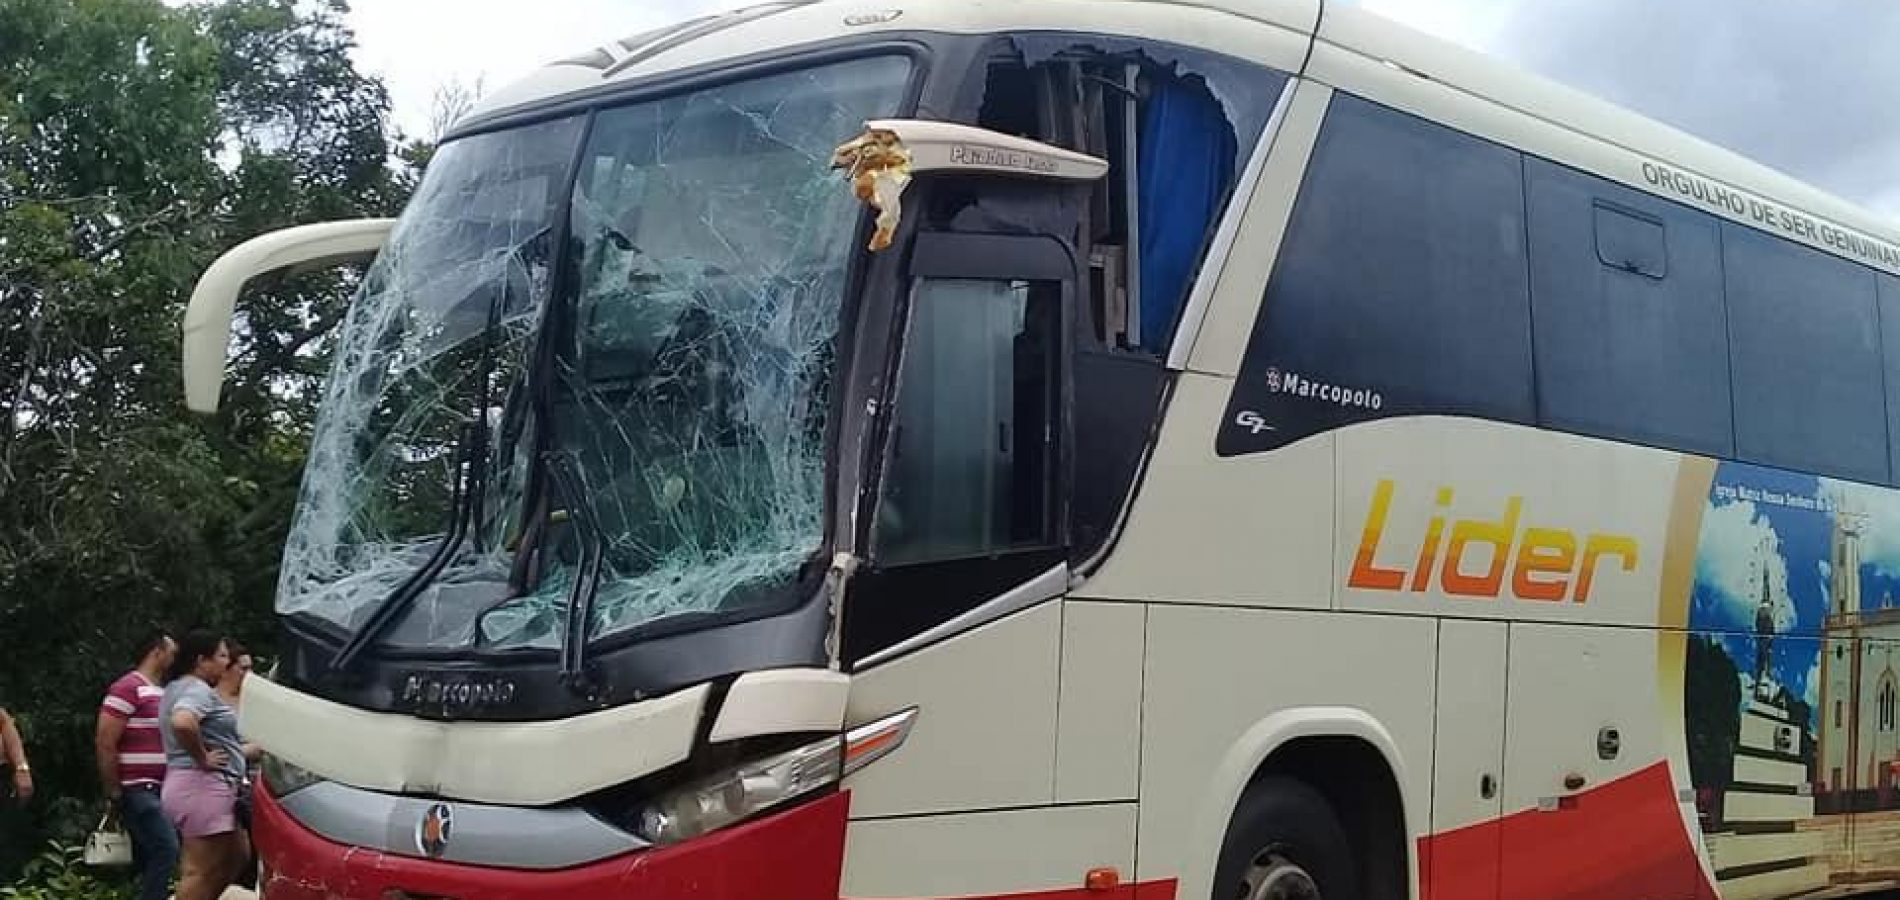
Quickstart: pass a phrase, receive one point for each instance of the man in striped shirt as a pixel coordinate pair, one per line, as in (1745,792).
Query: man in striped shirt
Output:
(131,758)
(13,751)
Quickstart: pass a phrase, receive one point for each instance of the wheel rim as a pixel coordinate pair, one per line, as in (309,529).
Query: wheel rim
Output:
(1274,877)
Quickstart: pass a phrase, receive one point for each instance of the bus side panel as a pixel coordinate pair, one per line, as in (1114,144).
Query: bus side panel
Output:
(1751,764)
(1216,675)
(1789,695)
(1253,531)
(990,854)
(1460,860)
(1098,736)
(1460,517)
(1588,764)
(985,735)
(962,808)
(1875,721)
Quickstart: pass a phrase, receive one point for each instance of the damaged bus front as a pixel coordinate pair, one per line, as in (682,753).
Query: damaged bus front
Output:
(667,405)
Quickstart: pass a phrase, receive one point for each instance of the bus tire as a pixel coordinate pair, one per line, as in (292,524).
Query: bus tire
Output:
(1284,842)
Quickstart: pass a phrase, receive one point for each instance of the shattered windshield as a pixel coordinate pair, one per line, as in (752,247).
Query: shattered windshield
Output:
(441,329)
(674,380)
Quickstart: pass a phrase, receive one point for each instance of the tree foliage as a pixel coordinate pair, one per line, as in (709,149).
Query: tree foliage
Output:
(137,141)
(1714,708)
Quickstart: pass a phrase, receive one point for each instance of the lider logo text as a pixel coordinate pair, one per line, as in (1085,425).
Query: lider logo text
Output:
(1542,563)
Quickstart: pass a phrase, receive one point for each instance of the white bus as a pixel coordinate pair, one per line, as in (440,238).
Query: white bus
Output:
(1086,448)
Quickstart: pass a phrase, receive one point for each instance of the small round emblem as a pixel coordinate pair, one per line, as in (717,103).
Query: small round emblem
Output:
(432,833)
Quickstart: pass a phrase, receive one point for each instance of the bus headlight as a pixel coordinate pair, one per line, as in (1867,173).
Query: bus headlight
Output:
(285,779)
(746,790)
(741,792)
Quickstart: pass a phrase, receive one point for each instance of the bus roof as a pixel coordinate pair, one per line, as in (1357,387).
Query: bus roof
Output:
(1347,48)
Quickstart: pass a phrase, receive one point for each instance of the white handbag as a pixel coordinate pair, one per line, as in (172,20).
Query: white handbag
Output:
(108,845)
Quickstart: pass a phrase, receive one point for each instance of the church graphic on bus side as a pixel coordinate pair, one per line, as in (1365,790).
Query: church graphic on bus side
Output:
(1793,683)
(1858,754)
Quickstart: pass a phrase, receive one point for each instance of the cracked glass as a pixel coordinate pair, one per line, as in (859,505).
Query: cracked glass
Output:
(660,405)
(444,318)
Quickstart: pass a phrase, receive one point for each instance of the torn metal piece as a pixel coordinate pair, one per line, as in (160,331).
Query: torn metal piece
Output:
(843,566)
(879,167)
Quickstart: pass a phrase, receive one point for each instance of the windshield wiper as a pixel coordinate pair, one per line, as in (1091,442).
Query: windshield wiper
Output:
(586,584)
(540,388)
(465,498)
(557,320)
(470,446)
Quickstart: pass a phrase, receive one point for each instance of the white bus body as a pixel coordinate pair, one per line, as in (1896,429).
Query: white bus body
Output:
(1512,519)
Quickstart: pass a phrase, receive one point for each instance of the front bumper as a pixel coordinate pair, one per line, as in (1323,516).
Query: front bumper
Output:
(793,855)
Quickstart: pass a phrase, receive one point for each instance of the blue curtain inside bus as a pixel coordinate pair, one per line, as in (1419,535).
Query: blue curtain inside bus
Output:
(1185,161)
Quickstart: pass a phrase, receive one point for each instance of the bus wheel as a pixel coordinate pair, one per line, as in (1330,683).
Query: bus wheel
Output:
(1285,843)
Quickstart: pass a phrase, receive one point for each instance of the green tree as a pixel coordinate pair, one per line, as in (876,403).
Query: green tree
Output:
(138,141)
(1713,705)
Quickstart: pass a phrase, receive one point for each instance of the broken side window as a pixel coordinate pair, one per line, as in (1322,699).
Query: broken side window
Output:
(1176,126)
(1186,160)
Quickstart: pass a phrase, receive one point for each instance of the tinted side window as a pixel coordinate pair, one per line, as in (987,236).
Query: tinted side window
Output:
(1629,241)
(1805,349)
(1626,294)
(1890,340)
(1402,286)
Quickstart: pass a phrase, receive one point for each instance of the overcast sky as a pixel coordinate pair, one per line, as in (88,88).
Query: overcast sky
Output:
(1811,87)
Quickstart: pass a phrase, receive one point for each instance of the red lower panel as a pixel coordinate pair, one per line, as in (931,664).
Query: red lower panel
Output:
(1461,864)
(1150,890)
(795,855)
(1155,890)
(1623,840)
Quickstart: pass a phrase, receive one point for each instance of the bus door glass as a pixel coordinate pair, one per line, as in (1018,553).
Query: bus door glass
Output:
(969,500)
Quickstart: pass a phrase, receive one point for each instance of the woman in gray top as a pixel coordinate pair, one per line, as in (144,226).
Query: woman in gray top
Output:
(204,762)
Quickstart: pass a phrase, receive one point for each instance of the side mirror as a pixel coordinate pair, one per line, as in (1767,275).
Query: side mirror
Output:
(966,149)
(208,319)
(881,161)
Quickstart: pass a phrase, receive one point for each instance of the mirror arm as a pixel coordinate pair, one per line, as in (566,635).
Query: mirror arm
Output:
(214,301)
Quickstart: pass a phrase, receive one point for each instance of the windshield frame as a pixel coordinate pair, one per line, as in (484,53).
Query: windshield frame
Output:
(915,48)
(308,628)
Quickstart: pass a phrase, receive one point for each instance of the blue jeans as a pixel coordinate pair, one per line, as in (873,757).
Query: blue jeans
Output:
(154,841)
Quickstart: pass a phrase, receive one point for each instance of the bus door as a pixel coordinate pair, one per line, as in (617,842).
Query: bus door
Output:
(969,506)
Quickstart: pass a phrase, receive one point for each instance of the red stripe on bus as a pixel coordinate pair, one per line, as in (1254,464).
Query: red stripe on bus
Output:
(1625,838)
(1163,889)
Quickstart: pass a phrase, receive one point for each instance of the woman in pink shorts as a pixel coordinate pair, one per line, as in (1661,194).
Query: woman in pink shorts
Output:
(204,763)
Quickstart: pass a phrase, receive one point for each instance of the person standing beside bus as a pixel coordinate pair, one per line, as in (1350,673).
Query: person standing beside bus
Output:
(204,763)
(231,686)
(231,691)
(13,752)
(130,756)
